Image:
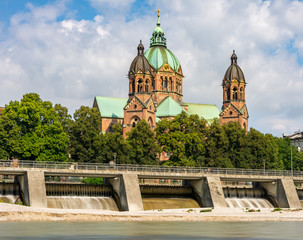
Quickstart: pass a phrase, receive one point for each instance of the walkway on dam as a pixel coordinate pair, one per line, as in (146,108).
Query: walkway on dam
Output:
(156,171)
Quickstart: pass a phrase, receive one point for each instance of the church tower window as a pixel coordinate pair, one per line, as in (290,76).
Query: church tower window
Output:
(228,94)
(235,93)
(140,85)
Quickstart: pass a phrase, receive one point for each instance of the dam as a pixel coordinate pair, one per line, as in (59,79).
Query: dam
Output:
(137,188)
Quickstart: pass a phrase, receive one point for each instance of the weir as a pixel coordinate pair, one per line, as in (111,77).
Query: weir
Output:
(9,192)
(80,196)
(168,197)
(248,197)
(199,185)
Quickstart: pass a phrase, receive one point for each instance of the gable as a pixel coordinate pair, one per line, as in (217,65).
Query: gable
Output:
(134,104)
(230,111)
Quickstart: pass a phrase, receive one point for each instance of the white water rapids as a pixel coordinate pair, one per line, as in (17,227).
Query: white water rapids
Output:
(248,203)
(105,203)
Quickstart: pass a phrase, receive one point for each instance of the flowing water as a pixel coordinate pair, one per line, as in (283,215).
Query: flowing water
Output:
(246,198)
(169,203)
(151,230)
(105,203)
(248,203)
(8,198)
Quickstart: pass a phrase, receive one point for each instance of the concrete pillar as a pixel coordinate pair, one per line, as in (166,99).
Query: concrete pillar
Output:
(32,185)
(210,191)
(127,188)
(284,191)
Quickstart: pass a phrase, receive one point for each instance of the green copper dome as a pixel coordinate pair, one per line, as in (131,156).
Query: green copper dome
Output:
(157,56)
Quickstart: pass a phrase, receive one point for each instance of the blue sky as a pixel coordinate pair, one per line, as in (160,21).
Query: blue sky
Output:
(69,51)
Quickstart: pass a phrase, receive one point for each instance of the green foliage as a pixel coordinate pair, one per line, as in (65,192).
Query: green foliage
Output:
(64,118)
(114,146)
(85,137)
(183,137)
(91,180)
(217,146)
(33,129)
(206,210)
(30,129)
(142,142)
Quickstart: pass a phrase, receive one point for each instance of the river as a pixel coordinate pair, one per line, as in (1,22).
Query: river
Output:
(151,230)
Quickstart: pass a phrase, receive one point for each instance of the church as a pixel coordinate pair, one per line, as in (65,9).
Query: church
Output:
(155,80)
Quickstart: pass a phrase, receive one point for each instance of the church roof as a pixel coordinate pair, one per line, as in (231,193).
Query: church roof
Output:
(158,56)
(207,111)
(140,62)
(169,108)
(111,107)
(234,71)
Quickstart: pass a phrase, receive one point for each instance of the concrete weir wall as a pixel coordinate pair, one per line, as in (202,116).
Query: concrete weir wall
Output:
(127,188)
(284,191)
(32,185)
(210,191)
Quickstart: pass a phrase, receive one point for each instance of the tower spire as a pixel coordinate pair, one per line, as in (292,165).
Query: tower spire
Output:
(158,22)
(158,38)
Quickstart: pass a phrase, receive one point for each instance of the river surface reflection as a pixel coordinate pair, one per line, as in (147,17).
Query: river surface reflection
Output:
(152,230)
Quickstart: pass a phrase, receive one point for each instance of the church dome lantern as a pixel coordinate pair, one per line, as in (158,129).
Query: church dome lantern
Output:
(234,71)
(158,55)
(140,63)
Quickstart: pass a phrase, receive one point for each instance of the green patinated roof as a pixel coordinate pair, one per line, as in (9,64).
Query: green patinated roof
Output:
(207,111)
(158,56)
(111,107)
(114,108)
(169,108)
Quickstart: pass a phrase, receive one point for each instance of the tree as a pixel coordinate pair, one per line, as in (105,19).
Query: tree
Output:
(30,129)
(85,136)
(143,147)
(64,118)
(113,143)
(236,149)
(184,138)
(217,146)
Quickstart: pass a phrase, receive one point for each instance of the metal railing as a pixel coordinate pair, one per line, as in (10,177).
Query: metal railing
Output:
(151,169)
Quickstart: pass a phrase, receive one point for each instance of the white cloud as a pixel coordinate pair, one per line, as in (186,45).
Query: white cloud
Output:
(72,61)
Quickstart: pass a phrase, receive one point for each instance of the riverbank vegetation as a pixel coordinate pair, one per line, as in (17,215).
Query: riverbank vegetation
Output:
(33,129)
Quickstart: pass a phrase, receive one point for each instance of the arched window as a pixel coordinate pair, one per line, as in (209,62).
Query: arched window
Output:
(228,93)
(171,84)
(165,84)
(150,122)
(135,121)
(133,86)
(235,93)
(147,85)
(140,85)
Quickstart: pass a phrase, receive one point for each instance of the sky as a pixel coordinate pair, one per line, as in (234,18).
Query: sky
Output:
(69,51)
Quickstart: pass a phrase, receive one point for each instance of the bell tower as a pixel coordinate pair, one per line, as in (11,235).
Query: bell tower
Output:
(140,105)
(234,106)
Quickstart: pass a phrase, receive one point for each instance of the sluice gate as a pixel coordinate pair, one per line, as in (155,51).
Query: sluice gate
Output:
(81,196)
(248,197)
(168,197)
(9,192)
(78,189)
